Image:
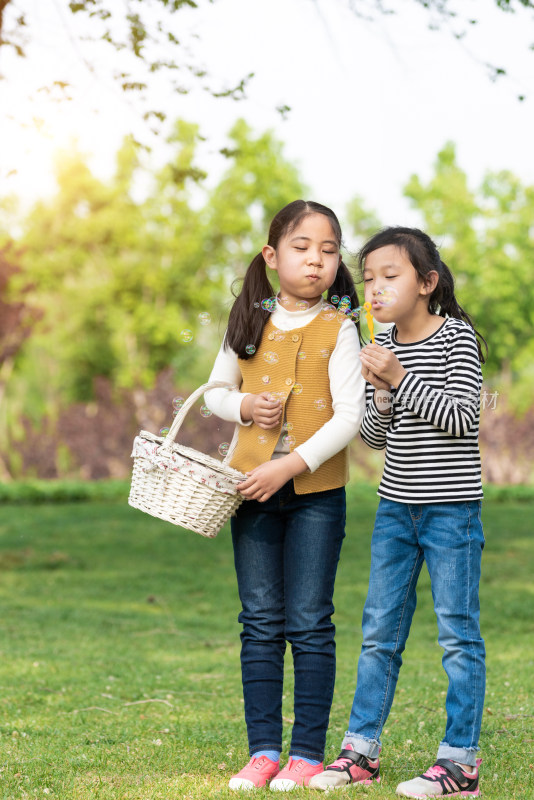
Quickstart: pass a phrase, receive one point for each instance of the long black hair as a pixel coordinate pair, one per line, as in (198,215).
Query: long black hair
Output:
(247,316)
(424,256)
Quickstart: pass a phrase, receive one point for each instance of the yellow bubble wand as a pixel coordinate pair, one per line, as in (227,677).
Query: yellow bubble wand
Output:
(370,321)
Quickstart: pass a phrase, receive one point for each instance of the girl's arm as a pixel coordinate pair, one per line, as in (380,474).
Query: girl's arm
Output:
(223,403)
(239,407)
(265,480)
(378,415)
(455,408)
(348,402)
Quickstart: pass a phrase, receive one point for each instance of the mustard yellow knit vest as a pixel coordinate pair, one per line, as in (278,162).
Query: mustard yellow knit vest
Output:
(293,366)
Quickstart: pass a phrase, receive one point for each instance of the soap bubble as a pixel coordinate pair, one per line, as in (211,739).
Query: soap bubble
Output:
(284,300)
(287,426)
(324,353)
(319,404)
(164,431)
(250,349)
(289,441)
(328,313)
(204,410)
(270,358)
(279,336)
(204,318)
(269,304)
(177,403)
(262,439)
(387,296)
(186,335)
(301,355)
(345,300)
(334,299)
(355,314)
(280,396)
(224,448)
(297,388)
(265,379)
(302,305)
(256,305)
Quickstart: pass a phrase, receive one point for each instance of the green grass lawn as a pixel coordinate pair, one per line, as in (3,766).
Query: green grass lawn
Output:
(119,667)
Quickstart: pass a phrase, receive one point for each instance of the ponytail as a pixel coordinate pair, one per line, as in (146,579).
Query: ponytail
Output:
(248,317)
(444,303)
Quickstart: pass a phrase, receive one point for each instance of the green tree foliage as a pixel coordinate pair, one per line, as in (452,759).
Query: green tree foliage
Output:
(256,185)
(127,284)
(17,321)
(486,236)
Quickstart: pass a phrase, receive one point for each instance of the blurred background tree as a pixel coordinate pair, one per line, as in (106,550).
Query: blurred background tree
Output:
(134,293)
(486,235)
(17,321)
(131,289)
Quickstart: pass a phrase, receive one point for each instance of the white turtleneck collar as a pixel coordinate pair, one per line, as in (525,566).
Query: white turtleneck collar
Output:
(286,320)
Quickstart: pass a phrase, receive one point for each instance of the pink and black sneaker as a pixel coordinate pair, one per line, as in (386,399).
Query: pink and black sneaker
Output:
(444,779)
(349,767)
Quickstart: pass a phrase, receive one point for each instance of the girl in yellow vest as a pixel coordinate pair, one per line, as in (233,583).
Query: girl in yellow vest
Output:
(301,399)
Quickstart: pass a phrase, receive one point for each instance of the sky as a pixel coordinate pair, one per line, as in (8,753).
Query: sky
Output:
(372,101)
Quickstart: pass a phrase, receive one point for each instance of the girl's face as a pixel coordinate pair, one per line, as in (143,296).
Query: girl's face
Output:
(307,260)
(390,267)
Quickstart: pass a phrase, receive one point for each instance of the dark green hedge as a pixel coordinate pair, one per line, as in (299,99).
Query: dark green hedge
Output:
(32,492)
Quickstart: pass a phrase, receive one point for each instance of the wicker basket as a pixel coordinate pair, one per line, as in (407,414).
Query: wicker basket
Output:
(181,485)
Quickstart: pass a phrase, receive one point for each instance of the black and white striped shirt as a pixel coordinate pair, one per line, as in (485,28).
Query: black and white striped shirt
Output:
(431,435)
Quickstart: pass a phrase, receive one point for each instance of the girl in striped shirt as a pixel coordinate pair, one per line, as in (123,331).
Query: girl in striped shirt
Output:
(423,406)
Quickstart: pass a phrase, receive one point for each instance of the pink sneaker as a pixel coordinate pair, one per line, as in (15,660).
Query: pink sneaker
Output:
(349,767)
(296,772)
(444,779)
(256,774)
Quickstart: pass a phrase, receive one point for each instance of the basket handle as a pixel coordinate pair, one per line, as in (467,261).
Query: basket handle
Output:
(191,400)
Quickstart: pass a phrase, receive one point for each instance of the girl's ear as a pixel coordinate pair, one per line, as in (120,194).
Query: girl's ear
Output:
(269,256)
(429,282)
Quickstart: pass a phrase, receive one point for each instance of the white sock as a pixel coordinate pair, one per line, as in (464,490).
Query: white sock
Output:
(470,770)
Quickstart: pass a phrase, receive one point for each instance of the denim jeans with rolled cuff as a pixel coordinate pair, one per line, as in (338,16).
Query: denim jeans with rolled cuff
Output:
(286,552)
(449,537)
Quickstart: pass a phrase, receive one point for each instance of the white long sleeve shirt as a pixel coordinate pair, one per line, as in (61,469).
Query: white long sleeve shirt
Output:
(347,388)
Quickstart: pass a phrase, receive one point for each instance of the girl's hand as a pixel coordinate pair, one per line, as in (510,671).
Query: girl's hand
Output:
(383,364)
(261,409)
(265,480)
(374,380)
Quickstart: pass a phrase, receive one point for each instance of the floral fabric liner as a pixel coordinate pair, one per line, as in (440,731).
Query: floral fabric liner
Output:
(175,462)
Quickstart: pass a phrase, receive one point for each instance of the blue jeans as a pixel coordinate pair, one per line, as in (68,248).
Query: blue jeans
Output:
(448,536)
(286,553)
